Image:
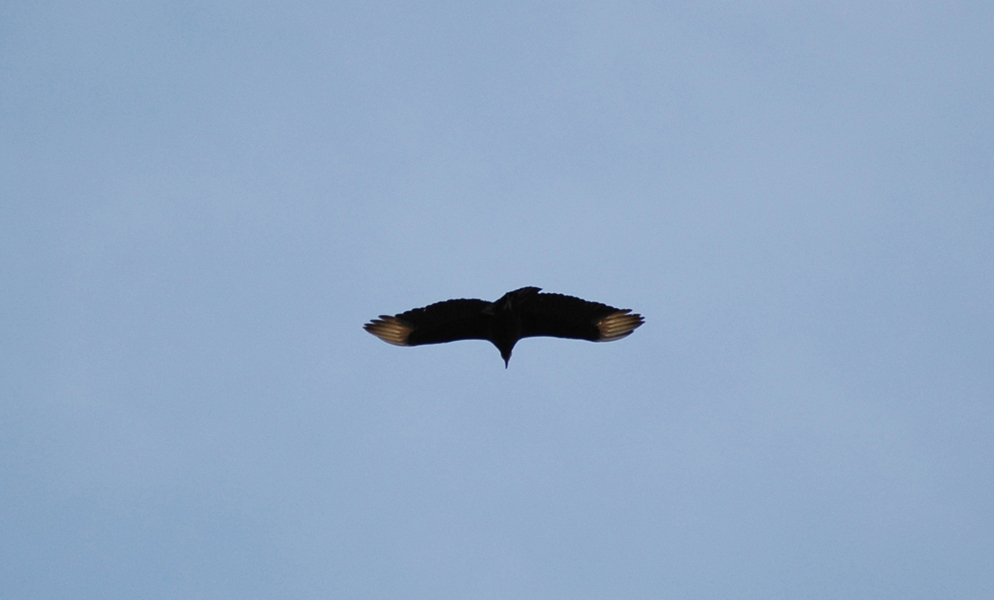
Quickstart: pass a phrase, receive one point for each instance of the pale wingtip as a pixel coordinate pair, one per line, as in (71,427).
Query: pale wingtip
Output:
(618,325)
(389,329)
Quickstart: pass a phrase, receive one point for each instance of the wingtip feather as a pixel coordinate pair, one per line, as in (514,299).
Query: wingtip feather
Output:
(618,325)
(389,329)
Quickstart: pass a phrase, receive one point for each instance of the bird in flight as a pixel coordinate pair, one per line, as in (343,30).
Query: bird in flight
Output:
(518,314)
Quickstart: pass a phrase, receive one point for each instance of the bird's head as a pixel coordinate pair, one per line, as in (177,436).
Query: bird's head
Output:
(505,353)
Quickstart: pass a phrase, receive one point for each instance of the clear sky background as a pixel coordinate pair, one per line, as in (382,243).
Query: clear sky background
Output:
(202,202)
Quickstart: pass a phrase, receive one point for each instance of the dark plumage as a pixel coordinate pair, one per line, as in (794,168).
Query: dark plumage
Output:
(518,314)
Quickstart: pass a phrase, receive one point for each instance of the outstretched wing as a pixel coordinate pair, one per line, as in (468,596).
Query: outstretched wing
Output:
(434,324)
(562,316)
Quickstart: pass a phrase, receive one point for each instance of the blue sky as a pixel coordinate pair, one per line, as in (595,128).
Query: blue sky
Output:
(202,203)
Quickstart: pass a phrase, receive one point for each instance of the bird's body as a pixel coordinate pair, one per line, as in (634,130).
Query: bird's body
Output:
(519,314)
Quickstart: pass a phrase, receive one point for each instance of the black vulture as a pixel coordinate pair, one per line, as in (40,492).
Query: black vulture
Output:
(518,314)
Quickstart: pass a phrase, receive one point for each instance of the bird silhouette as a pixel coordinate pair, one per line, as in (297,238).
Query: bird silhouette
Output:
(519,314)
